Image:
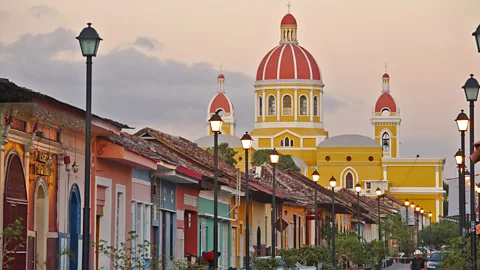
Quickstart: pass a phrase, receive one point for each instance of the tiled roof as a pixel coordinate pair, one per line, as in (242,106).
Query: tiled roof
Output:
(190,154)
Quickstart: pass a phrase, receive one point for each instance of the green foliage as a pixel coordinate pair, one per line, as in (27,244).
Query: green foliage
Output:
(12,239)
(263,155)
(394,228)
(439,234)
(266,263)
(306,255)
(458,255)
(378,250)
(127,256)
(225,153)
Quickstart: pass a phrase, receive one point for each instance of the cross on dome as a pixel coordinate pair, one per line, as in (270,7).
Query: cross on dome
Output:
(289,5)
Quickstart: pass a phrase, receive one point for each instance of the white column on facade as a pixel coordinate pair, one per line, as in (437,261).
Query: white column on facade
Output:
(320,96)
(256,105)
(398,140)
(311,105)
(385,173)
(437,209)
(264,108)
(437,177)
(295,111)
(278,104)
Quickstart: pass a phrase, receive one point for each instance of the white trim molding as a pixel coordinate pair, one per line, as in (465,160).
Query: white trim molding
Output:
(141,182)
(219,217)
(417,190)
(288,125)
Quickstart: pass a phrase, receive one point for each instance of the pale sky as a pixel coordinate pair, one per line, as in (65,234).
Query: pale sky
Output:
(158,62)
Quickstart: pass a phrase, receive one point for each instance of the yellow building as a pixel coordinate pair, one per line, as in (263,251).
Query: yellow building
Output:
(289,93)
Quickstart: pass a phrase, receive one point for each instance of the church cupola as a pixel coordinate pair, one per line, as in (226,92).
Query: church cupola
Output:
(221,83)
(385,83)
(220,102)
(288,29)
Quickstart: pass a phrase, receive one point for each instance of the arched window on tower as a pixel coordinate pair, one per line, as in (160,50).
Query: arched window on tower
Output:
(287,105)
(303,105)
(287,142)
(386,143)
(349,180)
(315,106)
(271,105)
(260,106)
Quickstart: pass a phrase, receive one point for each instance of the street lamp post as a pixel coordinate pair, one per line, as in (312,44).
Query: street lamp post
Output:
(379,192)
(358,189)
(417,210)
(471,89)
(462,125)
(476,34)
(421,215)
(89,42)
(407,203)
(316,177)
(216,126)
(430,238)
(247,142)
(274,157)
(333,183)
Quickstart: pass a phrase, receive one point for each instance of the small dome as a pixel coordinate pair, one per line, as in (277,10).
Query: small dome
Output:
(288,20)
(288,61)
(220,101)
(349,140)
(207,141)
(221,76)
(385,101)
(386,76)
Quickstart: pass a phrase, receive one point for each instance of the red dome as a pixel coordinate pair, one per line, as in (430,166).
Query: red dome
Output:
(288,19)
(221,76)
(220,101)
(385,101)
(386,75)
(288,61)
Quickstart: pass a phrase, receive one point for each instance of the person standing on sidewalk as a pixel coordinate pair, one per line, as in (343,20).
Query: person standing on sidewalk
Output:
(418,263)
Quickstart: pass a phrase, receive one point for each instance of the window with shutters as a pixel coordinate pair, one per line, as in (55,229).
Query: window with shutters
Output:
(272,108)
(315,106)
(287,105)
(303,105)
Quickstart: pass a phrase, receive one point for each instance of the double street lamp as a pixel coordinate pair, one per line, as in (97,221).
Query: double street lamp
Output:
(274,158)
(407,203)
(216,123)
(358,189)
(417,210)
(316,177)
(89,42)
(421,215)
(333,183)
(247,142)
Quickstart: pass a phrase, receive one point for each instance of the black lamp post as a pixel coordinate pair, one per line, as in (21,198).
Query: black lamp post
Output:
(247,142)
(216,126)
(430,238)
(358,189)
(417,209)
(460,161)
(89,42)
(471,89)
(407,203)
(333,183)
(378,191)
(274,158)
(316,177)
(412,205)
(421,222)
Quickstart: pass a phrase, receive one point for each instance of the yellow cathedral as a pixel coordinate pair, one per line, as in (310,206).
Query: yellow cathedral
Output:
(289,91)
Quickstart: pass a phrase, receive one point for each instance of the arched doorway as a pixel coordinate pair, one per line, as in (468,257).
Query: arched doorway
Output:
(15,208)
(41,222)
(74,217)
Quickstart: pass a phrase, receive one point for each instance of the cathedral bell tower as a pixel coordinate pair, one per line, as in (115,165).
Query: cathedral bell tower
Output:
(221,102)
(386,121)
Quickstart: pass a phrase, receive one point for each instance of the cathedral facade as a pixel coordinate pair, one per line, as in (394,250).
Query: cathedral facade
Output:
(289,91)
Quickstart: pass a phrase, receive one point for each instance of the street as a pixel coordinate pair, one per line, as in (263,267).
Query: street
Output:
(398,266)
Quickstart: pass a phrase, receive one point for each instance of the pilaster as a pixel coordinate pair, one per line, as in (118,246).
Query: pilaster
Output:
(295,106)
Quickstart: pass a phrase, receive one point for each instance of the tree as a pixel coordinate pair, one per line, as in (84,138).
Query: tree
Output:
(12,240)
(439,234)
(225,153)
(396,229)
(285,162)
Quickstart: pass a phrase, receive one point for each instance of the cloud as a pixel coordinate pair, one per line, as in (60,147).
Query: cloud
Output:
(128,85)
(43,11)
(148,43)
(4,15)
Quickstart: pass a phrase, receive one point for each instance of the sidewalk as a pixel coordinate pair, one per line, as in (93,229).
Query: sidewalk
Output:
(398,266)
